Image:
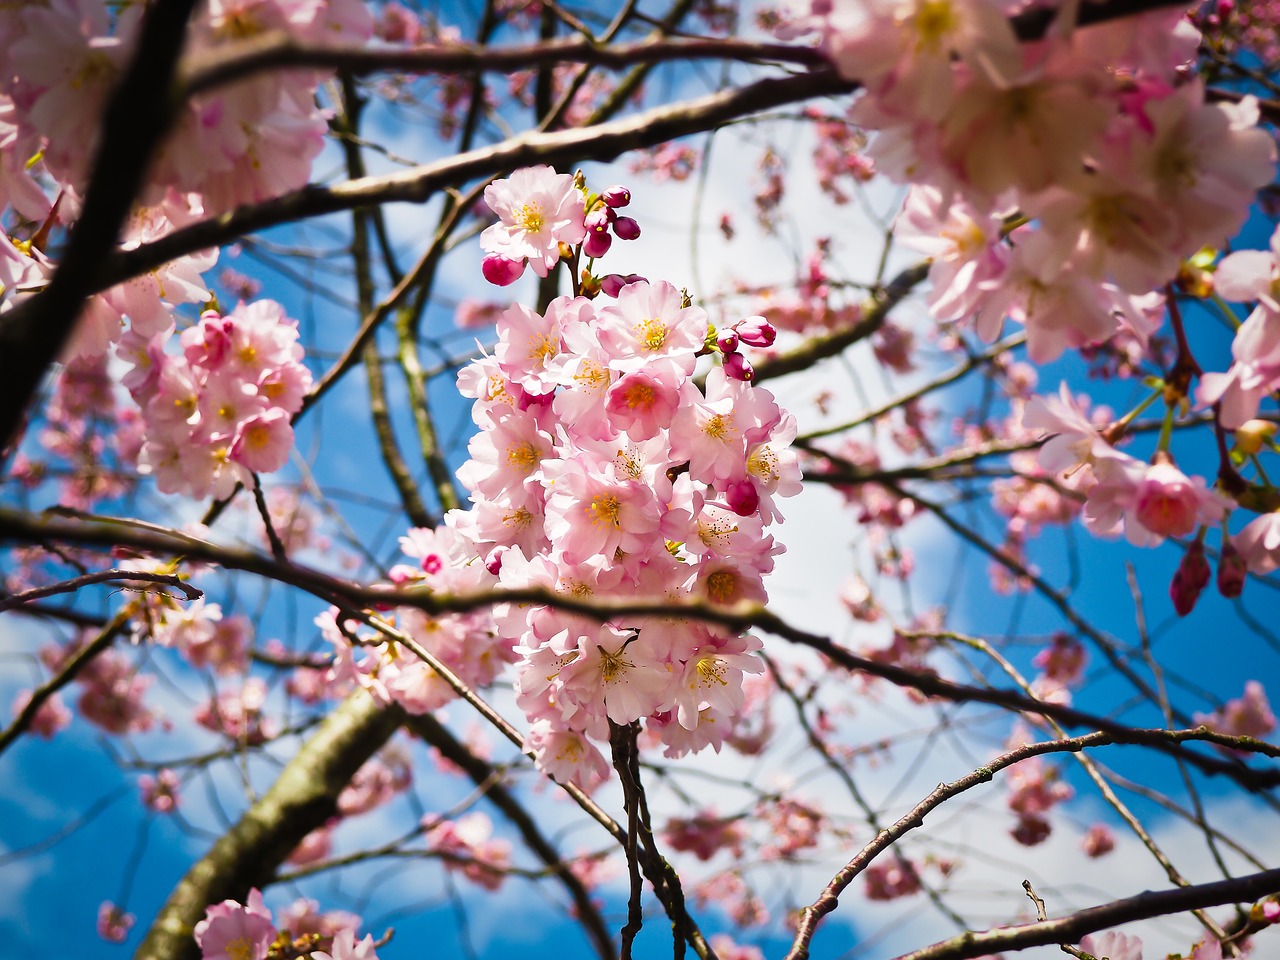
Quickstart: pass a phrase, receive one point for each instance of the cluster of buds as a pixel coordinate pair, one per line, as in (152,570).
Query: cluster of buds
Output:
(754,332)
(542,216)
(603,218)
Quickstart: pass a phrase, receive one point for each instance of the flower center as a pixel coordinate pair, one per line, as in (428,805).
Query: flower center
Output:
(651,333)
(529,217)
(604,509)
(722,586)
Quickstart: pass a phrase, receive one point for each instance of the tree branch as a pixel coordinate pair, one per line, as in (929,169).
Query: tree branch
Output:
(1071,928)
(303,797)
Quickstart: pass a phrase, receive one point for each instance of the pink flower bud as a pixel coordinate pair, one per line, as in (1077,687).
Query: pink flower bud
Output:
(1168,503)
(1031,830)
(1271,911)
(1098,841)
(727,342)
(742,498)
(738,367)
(611,284)
(493,562)
(500,271)
(403,573)
(1192,577)
(599,219)
(616,196)
(626,228)
(1231,571)
(756,331)
(597,244)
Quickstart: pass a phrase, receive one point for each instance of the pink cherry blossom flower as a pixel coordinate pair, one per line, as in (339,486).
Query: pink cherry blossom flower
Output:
(160,793)
(1149,501)
(567,755)
(113,923)
(232,931)
(641,403)
(1167,502)
(538,209)
(315,847)
(1247,716)
(51,717)
(346,947)
(891,879)
(1248,275)
(648,323)
(1259,543)
(1112,945)
(712,676)
(1072,440)
(617,674)
(593,513)
(1254,373)
(1098,841)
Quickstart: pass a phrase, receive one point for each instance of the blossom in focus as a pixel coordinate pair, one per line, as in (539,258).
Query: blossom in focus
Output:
(234,931)
(538,209)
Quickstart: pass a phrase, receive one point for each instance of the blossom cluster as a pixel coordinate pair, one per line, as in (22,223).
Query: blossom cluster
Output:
(224,406)
(603,469)
(1064,182)
(247,931)
(1116,168)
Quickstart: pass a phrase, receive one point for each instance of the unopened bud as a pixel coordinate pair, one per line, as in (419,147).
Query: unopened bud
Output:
(493,562)
(738,367)
(1191,578)
(756,332)
(1232,570)
(599,219)
(500,271)
(742,498)
(626,228)
(597,244)
(616,196)
(727,342)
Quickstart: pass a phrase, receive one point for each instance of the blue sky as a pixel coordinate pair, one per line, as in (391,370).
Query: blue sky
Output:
(49,900)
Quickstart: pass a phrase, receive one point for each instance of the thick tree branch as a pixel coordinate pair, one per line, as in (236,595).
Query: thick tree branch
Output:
(303,797)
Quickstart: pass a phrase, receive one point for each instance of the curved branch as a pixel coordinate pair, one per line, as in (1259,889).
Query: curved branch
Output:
(603,142)
(102,576)
(812,915)
(278,49)
(1072,927)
